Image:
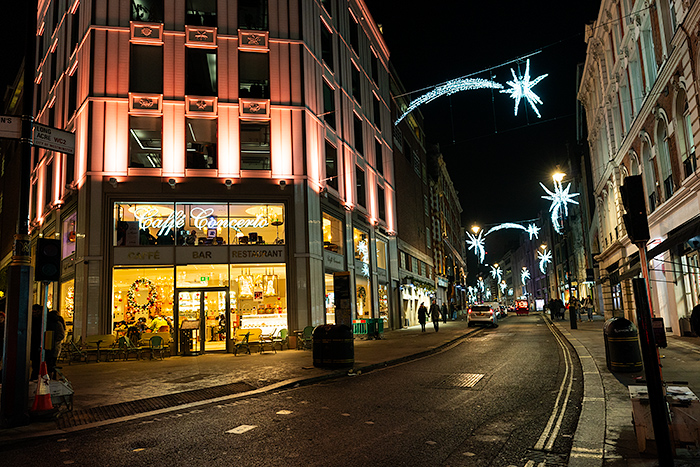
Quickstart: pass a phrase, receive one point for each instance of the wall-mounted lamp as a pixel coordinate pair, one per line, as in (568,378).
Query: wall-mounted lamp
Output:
(324,192)
(228,183)
(283,184)
(172,182)
(113,181)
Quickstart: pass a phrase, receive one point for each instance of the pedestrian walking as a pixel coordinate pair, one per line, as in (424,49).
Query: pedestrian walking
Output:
(588,306)
(444,312)
(435,315)
(422,315)
(695,318)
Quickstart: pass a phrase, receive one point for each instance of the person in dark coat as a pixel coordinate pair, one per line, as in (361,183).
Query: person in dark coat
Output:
(57,326)
(695,318)
(444,312)
(422,315)
(435,315)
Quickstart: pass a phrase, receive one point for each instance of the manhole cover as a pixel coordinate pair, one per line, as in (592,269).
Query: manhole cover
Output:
(460,380)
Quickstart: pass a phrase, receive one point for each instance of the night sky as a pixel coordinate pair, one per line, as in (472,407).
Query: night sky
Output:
(495,158)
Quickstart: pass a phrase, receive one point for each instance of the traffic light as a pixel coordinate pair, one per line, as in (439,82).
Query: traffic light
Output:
(48,260)
(635,217)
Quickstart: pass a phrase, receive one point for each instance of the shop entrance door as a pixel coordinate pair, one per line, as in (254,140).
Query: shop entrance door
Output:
(208,307)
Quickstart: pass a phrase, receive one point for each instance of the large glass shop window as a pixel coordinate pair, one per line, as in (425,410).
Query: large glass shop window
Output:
(69,236)
(259,297)
(198,224)
(332,234)
(330,298)
(141,299)
(363,283)
(67,304)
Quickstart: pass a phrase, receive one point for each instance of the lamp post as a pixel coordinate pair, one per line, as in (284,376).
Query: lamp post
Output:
(558,177)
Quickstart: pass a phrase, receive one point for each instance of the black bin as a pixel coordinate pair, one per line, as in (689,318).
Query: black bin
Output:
(622,353)
(186,342)
(333,346)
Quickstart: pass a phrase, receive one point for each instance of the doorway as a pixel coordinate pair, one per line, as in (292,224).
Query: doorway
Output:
(203,314)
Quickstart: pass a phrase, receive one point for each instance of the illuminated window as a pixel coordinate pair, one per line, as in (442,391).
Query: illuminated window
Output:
(200,135)
(330,298)
(137,293)
(145,141)
(381,254)
(255,145)
(200,12)
(254,75)
(150,11)
(202,224)
(146,69)
(200,77)
(331,165)
(252,14)
(259,296)
(332,234)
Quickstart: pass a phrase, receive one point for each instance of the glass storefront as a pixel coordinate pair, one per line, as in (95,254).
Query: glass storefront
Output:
(139,295)
(259,297)
(332,234)
(329,299)
(67,304)
(363,283)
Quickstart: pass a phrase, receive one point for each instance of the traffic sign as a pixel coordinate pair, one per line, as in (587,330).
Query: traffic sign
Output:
(53,139)
(10,126)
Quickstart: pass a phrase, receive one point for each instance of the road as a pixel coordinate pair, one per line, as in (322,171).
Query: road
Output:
(508,396)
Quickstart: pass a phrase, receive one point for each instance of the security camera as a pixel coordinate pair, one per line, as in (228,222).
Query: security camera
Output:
(228,183)
(172,182)
(283,184)
(113,182)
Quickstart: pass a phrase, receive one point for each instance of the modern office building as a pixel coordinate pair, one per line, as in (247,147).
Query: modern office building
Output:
(230,156)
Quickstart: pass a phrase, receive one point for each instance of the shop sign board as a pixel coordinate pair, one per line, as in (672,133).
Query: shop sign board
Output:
(333,261)
(143,255)
(442,282)
(201,255)
(53,139)
(10,126)
(343,298)
(257,254)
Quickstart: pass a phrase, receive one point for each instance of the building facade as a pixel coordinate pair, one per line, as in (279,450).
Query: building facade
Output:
(640,91)
(230,158)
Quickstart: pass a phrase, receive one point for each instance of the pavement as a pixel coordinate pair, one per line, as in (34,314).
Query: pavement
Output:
(110,392)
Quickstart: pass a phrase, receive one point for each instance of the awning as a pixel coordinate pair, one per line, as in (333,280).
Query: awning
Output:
(676,236)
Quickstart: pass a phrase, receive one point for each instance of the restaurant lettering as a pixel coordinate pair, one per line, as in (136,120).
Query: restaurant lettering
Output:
(144,255)
(201,218)
(256,254)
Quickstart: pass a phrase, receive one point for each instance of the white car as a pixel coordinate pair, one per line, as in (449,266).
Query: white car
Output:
(482,314)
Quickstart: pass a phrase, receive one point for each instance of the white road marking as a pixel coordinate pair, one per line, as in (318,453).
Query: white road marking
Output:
(284,412)
(241,429)
(432,443)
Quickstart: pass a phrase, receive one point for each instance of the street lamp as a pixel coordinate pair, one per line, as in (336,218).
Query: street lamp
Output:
(475,229)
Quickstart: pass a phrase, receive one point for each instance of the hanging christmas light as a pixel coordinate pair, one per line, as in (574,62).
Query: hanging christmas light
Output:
(496,272)
(521,88)
(476,243)
(524,275)
(560,199)
(531,229)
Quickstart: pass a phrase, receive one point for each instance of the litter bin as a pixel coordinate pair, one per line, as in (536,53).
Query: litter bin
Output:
(622,353)
(333,346)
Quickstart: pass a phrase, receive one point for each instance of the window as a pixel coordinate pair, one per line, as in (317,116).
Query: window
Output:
(328,105)
(200,13)
(686,144)
(252,14)
(145,141)
(381,203)
(72,94)
(146,71)
(255,146)
(150,11)
(381,254)
(374,62)
(69,168)
(48,194)
(359,147)
(378,158)
(68,236)
(666,174)
(331,165)
(326,5)
(200,77)
(377,112)
(332,233)
(200,134)
(254,75)
(74,30)
(360,180)
(354,34)
(327,45)
(356,93)
(427,238)
(406,149)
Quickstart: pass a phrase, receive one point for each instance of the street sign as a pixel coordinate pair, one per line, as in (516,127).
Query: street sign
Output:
(53,139)
(10,126)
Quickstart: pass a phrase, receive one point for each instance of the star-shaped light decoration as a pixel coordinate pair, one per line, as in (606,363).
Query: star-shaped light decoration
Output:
(496,272)
(521,88)
(488,294)
(480,284)
(476,243)
(544,258)
(503,286)
(533,231)
(524,275)
(560,199)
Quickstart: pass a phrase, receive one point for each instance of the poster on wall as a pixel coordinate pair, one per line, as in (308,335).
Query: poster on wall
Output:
(343,301)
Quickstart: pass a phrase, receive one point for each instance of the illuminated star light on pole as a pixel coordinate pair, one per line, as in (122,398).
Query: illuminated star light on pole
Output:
(496,272)
(503,286)
(521,88)
(560,199)
(524,275)
(476,243)
(544,258)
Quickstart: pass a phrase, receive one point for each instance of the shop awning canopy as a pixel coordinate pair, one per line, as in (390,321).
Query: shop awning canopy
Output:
(676,236)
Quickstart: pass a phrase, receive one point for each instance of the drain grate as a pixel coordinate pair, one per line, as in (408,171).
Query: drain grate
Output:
(460,380)
(108,412)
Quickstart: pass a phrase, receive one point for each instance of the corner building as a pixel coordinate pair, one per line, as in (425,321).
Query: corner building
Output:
(230,157)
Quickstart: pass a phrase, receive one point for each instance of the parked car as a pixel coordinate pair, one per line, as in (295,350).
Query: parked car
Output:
(482,314)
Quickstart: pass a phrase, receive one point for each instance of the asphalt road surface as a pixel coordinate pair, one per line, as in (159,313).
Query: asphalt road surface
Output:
(508,396)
